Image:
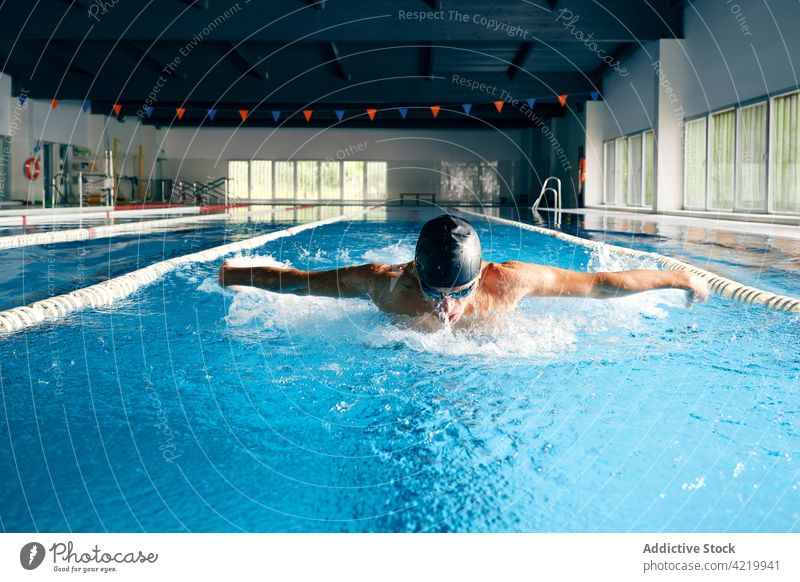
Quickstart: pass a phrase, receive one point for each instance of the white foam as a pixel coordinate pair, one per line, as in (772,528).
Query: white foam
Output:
(394,254)
(542,328)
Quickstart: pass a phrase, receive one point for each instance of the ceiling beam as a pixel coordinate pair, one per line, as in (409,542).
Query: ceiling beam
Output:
(201,4)
(246,90)
(57,51)
(520,60)
(434,4)
(337,61)
(623,49)
(251,63)
(426,60)
(146,56)
(316,4)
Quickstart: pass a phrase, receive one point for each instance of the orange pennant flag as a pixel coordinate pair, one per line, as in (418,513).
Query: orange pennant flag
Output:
(180,111)
(371,113)
(243,113)
(499,105)
(117,109)
(54,103)
(563,100)
(307,113)
(435,110)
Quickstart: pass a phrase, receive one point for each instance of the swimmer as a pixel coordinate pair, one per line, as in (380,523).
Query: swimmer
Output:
(449,280)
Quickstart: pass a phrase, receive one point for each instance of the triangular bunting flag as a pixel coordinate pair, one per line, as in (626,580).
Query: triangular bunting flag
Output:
(499,105)
(243,113)
(276,115)
(117,109)
(403,111)
(339,114)
(307,113)
(435,110)
(467,107)
(148,111)
(85,106)
(530,102)
(371,113)
(53,103)
(22,99)
(212,113)
(180,111)
(595,95)
(563,100)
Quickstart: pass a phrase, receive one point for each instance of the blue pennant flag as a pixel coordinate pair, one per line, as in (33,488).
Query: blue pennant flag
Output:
(467,107)
(148,111)
(403,112)
(37,146)
(595,95)
(340,114)
(530,103)
(85,106)
(212,113)
(22,99)
(276,115)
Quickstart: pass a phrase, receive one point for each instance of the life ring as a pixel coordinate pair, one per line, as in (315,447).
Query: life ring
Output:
(31,168)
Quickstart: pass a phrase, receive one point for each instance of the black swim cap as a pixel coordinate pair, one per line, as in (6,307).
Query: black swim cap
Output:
(448,253)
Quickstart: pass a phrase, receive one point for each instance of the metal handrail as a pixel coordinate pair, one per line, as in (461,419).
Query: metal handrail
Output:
(557,195)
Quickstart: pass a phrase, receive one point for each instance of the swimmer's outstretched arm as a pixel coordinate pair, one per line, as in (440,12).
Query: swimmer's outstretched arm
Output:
(357,281)
(543,281)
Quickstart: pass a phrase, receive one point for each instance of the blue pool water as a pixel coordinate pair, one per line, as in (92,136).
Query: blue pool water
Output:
(37,272)
(187,407)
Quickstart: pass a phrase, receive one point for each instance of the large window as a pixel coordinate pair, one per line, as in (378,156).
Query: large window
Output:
(695,171)
(751,158)
(239,184)
(307,180)
(784,178)
(260,179)
(649,167)
(353,187)
(376,180)
(629,170)
(723,143)
(331,178)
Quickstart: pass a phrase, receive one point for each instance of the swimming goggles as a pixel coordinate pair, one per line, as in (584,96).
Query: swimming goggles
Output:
(434,294)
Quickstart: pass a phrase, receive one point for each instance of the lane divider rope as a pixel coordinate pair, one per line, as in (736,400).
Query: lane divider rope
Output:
(111,230)
(107,292)
(718,284)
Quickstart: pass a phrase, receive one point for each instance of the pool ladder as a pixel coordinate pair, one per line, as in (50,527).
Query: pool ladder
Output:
(556,194)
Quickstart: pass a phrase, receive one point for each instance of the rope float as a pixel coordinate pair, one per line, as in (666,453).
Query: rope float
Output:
(111,230)
(109,291)
(720,285)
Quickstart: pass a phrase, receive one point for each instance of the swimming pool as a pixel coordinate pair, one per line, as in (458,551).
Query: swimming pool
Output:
(186,407)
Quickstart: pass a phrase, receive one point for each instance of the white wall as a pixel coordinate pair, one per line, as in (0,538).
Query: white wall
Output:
(630,100)
(734,51)
(726,64)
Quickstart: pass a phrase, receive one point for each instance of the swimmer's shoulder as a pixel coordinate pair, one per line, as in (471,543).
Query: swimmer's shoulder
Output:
(509,275)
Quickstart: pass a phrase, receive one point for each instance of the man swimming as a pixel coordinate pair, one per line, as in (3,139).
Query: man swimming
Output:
(449,279)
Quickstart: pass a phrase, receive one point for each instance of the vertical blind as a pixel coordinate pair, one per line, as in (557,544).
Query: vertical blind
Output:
(723,156)
(695,155)
(785,154)
(751,160)
(635,186)
(649,167)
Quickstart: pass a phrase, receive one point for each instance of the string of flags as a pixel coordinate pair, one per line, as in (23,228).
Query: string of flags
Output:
(308,113)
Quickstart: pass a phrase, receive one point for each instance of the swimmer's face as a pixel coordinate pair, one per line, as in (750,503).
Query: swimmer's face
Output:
(450,304)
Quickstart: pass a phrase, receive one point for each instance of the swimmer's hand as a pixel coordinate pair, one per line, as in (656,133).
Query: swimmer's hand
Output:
(696,289)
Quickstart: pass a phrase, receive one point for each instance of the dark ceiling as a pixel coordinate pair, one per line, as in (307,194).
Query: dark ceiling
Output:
(292,55)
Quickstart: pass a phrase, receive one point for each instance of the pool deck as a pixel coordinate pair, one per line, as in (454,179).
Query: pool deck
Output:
(766,225)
